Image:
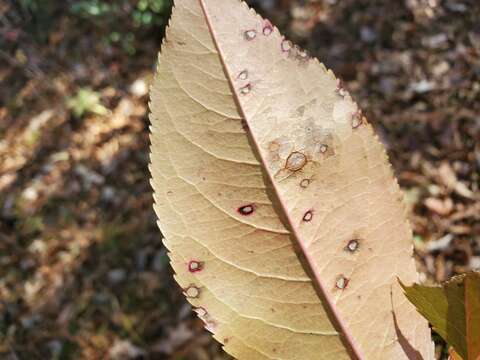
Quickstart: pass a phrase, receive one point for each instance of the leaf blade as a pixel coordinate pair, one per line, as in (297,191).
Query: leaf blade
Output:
(454,311)
(472,312)
(275,206)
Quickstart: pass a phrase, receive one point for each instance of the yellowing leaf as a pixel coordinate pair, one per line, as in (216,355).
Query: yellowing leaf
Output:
(454,311)
(285,226)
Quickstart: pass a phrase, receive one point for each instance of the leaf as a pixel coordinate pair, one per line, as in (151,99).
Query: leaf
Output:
(86,100)
(454,311)
(285,226)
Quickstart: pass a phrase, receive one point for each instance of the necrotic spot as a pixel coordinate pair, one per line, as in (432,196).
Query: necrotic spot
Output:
(352,245)
(201,312)
(296,161)
(246,89)
(304,183)
(357,119)
(195,266)
(243,75)
(192,292)
(246,210)
(341,282)
(308,216)
(286,45)
(250,34)
(268,28)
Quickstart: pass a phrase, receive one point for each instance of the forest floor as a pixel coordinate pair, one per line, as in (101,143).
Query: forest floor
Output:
(83,273)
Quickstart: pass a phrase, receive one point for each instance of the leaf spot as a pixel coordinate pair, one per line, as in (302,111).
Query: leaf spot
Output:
(243,75)
(246,89)
(308,216)
(201,312)
(286,45)
(302,55)
(341,282)
(250,34)
(246,210)
(296,161)
(192,292)
(211,326)
(267,29)
(357,119)
(305,183)
(352,245)
(195,266)
(340,90)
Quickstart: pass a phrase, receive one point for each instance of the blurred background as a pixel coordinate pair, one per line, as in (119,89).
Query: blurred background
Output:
(83,273)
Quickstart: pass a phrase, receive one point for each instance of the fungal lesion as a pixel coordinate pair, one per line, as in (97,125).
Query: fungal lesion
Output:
(267,28)
(305,183)
(296,161)
(308,216)
(250,34)
(246,210)
(195,266)
(295,52)
(340,89)
(341,282)
(286,160)
(357,118)
(352,245)
(244,90)
(191,291)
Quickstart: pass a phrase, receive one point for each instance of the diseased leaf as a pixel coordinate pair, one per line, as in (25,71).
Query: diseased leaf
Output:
(285,226)
(454,311)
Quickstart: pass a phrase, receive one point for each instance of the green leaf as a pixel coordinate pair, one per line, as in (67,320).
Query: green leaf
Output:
(86,101)
(453,309)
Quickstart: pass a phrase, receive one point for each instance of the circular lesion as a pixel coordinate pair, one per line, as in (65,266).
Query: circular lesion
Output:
(296,161)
